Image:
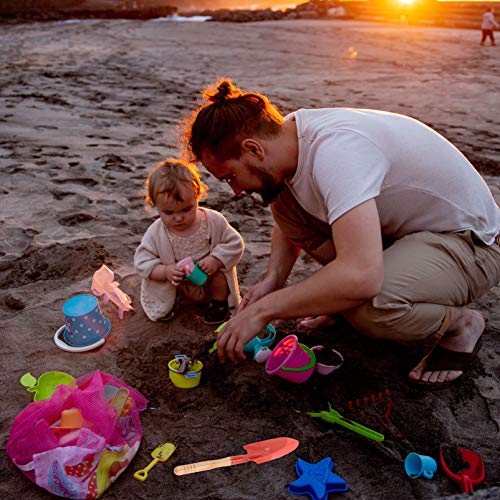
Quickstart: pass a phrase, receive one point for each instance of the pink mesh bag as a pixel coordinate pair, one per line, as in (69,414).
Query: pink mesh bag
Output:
(83,462)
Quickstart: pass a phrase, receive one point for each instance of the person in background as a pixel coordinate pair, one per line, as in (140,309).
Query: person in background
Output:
(488,25)
(406,229)
(184,230)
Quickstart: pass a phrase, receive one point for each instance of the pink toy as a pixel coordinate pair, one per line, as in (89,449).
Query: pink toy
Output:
(291,360)
(186,264)
(103,284)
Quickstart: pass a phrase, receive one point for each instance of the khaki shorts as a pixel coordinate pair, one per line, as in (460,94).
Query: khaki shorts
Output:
(193,292)
(424,274)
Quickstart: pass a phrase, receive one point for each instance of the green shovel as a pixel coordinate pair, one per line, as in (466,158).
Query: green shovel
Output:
(334,417)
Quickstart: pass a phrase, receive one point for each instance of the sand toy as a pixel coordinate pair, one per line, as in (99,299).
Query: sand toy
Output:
(47,383)
(258,347)
(378,406)
(85,327)
(417,465)
(316,480)
(291,360)
(67,428)
(192,271)
(160,454)
(327,360)
(70,419)
(334,417)
(259,452)
(185,373)
(465,467)
(119,398)
(186,264)
(197,276)
(81,452)
(103,285)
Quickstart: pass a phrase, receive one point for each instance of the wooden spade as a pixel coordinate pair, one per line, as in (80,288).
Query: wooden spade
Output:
(260,452)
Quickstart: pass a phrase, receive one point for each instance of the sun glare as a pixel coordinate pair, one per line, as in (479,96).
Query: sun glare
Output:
(405,2)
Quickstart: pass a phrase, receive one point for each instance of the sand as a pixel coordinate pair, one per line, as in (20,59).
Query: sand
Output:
(88,108)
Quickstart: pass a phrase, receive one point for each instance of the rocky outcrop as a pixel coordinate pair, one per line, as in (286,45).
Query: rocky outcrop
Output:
(314,9)
(50,10)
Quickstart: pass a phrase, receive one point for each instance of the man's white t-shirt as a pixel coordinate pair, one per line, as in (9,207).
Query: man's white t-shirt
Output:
(419,180)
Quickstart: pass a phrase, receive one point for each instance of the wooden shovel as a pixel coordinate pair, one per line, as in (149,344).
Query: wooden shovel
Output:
(259,452)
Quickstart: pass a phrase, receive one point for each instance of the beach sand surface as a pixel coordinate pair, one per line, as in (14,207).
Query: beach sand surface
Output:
(87,108)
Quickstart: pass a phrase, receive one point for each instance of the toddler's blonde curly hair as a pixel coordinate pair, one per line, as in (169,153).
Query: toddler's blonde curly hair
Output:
(168,176)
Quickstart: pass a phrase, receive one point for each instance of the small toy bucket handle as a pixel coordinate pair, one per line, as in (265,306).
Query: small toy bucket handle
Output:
(312,361)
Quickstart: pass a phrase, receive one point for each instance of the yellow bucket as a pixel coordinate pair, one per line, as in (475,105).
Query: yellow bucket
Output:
(186,380)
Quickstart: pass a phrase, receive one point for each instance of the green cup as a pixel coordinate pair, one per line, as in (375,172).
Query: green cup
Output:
(197,276)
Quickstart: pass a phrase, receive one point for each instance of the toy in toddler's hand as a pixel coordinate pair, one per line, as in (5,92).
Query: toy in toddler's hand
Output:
(103,284)
(186,264)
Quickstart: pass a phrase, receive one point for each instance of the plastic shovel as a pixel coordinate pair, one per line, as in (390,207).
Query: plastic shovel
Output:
(259,452)
(468,464)
(160,454)
(334,417)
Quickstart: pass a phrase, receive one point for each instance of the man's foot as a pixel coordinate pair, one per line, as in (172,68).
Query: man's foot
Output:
(316,322)
(458,346)
(217,313)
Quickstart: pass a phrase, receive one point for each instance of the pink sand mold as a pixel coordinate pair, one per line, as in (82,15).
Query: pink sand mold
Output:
(103,285)
(291,360)
(324,369)
(186,264)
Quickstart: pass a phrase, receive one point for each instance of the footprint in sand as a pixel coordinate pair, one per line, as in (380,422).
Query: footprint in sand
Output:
(76,219)
(112,207)
(82,181)
(71,199)
(15,240)
(113,162)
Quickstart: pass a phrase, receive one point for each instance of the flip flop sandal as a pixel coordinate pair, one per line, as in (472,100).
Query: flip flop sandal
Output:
(444,359)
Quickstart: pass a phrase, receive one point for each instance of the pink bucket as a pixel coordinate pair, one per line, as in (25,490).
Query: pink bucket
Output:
(291,360)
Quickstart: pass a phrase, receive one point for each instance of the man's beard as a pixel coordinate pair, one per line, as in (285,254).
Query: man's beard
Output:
(270,189)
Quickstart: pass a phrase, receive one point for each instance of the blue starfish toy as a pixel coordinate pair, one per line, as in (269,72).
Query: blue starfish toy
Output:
(316,480)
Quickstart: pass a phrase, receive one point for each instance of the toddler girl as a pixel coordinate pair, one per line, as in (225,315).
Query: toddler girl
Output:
(183,230)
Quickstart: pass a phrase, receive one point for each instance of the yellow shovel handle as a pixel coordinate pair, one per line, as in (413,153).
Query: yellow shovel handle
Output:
(142,474)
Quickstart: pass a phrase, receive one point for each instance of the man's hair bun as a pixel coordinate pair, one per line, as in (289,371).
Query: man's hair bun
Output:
(221,93)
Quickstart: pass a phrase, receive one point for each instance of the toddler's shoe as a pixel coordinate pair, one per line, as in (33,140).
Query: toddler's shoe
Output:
(170,315)
(218,312)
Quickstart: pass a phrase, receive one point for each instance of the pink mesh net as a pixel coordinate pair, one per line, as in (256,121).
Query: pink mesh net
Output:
(85,463)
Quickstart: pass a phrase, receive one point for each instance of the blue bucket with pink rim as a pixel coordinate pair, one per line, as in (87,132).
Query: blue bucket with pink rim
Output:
(84,324)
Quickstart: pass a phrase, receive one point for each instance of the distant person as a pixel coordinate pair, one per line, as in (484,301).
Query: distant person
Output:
(405,227)
(489,23)
(186,230)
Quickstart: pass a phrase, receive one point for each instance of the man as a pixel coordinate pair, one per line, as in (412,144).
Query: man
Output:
(487,26)
(406,229)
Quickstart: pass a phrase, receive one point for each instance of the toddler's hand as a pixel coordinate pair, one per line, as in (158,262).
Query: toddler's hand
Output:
(210,265)
(174,275)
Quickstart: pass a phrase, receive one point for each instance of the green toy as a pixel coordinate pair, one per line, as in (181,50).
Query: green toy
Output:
(47,383)
(334,417)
